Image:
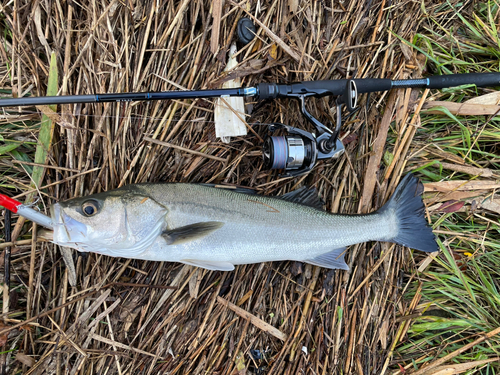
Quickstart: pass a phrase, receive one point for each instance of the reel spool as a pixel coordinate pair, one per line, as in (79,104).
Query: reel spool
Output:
(287,152)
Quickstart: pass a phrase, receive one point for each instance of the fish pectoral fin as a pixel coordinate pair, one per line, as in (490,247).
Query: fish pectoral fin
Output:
(190,232)
(209,264)
(333,259)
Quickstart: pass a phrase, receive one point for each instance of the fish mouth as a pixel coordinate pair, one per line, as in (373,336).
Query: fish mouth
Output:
(67,231)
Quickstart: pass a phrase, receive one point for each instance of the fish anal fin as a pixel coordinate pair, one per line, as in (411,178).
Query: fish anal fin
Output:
(306,196)
(209,264)
(190,232)
(333,259)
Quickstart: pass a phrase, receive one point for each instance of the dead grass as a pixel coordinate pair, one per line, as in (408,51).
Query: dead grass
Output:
(121,318)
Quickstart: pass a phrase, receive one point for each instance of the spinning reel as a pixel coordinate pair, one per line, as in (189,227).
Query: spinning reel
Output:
(299,150)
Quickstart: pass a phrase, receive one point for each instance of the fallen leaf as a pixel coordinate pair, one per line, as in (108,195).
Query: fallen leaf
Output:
(463,109)
(350,138)
(384,328)
(462,266)
(445,186)
(129,312)
(490,205)
(273,51)
(446,155)
(451,206)
(445,371)
(39,27)
(25,359)
(407,51)
(492,98)
(433,197)
(257,46)
(240,362)
(243,299)
(388,158)
(458,368)
(473,171)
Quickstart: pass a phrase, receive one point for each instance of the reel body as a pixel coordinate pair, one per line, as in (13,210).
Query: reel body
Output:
(298,152)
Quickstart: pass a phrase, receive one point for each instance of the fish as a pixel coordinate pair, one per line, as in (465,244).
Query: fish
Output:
(218,228)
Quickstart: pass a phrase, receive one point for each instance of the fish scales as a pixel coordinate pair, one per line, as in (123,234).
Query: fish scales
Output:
(258,228)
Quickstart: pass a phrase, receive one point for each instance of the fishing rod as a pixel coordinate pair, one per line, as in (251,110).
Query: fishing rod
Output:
(299,150)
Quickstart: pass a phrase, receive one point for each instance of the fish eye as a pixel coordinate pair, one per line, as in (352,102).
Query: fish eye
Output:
(90,208)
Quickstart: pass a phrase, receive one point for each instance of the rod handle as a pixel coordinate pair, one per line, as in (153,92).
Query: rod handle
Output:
(453,80)
(320,88)
(337,87)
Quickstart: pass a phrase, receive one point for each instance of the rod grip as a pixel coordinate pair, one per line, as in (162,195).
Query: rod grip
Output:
(320,88)
(373,85)
(453,80)
(337,87)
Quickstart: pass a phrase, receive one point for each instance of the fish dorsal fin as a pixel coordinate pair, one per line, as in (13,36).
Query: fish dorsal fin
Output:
(190,232)
(333,259)
(232,188)
(306,196)
(209,264)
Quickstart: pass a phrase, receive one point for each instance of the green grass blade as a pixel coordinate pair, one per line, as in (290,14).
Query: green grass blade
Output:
(46,127)
(8,147)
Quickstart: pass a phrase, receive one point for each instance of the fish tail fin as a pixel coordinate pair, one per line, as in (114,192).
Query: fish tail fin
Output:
(406,203)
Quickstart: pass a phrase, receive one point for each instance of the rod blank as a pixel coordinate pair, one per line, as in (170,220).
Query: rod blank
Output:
(122,97)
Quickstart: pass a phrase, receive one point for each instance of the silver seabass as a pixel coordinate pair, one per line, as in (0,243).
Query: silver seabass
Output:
(218,228)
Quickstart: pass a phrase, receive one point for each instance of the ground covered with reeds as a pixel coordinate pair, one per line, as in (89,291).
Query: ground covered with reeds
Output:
(396,311)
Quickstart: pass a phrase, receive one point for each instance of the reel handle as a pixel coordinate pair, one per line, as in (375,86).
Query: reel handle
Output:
(350,99)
